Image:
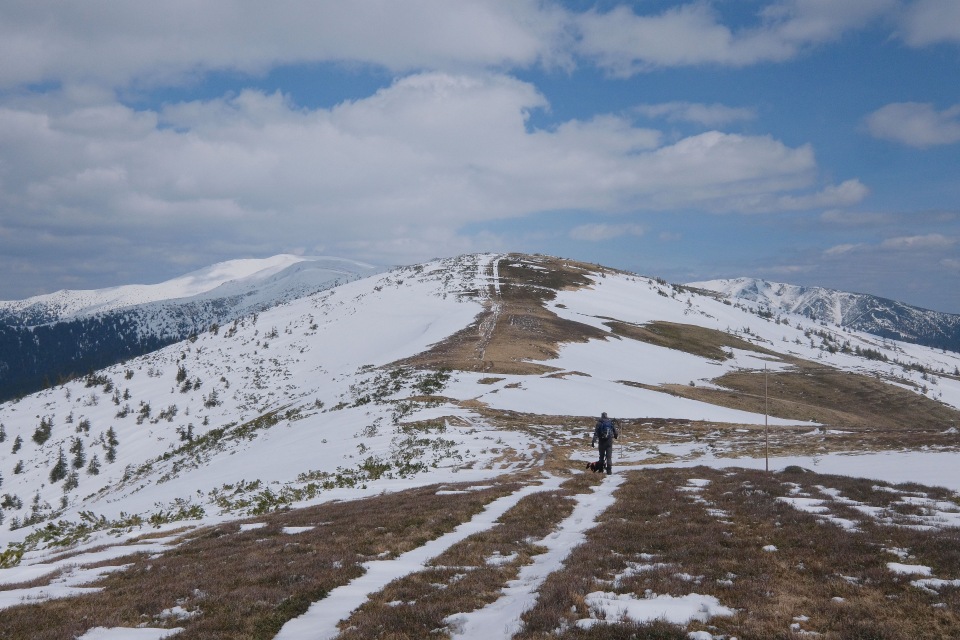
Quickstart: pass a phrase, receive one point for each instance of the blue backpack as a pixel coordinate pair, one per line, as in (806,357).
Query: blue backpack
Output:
(606,429)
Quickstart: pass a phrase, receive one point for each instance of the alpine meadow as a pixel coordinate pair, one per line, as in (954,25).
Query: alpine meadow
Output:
(402,454)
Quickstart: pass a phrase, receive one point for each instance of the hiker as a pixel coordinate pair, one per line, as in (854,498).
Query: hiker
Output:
(604,433)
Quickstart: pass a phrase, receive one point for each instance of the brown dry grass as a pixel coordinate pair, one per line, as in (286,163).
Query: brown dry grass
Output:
(566,436)
(700,341)
(247,584)
(888,415)
(515,333)
(814,563)
(462,579)
(840,399)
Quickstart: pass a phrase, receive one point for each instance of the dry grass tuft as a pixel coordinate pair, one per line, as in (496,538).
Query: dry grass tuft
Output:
(246,584)
(700,341)
(664,535)
(711,541)
(466,577)
(828,396)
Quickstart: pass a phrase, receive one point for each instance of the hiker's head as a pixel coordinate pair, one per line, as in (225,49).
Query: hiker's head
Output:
(603,415)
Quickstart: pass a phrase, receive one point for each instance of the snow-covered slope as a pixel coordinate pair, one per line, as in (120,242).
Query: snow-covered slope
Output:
(67,333)
(226,279)
(341,395)
(305,401)
(863,312)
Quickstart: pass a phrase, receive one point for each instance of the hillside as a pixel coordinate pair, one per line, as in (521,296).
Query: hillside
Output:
(860,312)
(405,453)
(52,338)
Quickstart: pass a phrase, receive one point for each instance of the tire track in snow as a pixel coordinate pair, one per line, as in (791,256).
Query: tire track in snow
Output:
(501,619)
(321,619)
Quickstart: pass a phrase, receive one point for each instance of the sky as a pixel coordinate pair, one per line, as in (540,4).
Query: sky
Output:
(803,141)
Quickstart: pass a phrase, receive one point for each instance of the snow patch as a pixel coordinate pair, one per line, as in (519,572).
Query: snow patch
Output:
(615,607)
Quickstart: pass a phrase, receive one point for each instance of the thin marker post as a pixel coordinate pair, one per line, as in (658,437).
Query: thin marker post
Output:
(766,421)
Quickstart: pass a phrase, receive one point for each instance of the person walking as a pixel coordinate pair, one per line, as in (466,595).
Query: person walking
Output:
(605,433)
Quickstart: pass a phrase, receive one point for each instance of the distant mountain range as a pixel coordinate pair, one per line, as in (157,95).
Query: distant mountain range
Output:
(858,311)
(47,339)
(444,410)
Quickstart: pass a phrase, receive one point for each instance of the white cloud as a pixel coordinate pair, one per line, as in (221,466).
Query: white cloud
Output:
(788,269)
(915,124)
(804,22)
(430,145)
(841,249)
(894,252)
(602,231)
(857,218)
(931,21)
(927,242)
(710,115)
(115,43)
(931,241)
(847,193)
(419,159)
(424,243)
(147,44)
(625,43)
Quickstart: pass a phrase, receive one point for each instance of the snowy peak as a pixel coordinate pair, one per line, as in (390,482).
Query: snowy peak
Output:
(224,278)
(423,370)
(69,333)
(471,382)
(863,312)
(824,304)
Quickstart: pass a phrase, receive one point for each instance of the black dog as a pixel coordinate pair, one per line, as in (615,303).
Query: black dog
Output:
(594,466)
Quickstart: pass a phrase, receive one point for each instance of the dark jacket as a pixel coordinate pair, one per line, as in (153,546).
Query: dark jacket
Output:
(601,423)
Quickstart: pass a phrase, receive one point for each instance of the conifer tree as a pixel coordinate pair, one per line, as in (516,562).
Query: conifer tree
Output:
(93,468)
(112,443)
(79,457)
(17,443)
(3,432)
(42,433)
(59,471)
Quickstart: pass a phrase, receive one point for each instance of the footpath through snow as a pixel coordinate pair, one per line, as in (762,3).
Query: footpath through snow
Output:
(501,619)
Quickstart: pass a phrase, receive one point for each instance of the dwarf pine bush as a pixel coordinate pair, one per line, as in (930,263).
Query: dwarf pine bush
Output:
(43,431)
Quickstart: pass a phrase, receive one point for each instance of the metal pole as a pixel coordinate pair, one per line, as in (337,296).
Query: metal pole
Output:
(766,420)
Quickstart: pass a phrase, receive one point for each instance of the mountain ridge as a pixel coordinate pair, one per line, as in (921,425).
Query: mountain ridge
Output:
(461,339)
(863,312)
(213,281)
(345,438)
(57,336)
